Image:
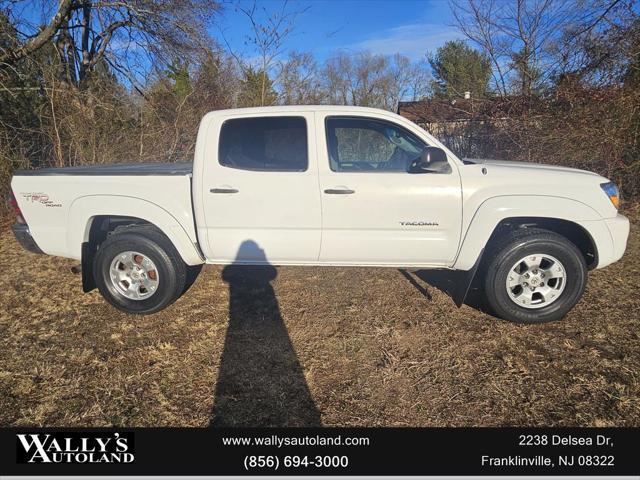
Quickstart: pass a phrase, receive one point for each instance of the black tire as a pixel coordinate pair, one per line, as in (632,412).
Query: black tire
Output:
(517,245)
(148,241)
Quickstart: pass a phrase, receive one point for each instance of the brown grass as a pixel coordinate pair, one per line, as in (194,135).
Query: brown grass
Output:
(341,346)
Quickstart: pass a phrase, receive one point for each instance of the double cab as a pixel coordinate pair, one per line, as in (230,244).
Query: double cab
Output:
(325,186)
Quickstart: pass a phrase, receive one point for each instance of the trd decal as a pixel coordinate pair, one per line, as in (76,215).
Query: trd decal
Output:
(39,197)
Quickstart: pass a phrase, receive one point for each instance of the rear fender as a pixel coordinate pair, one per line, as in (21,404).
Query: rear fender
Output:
(85,209)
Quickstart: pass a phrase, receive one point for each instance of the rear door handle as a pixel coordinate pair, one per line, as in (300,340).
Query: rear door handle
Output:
(224,190)
(339,191)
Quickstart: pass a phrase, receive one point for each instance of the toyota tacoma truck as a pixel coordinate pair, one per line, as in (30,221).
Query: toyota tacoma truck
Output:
(326,186)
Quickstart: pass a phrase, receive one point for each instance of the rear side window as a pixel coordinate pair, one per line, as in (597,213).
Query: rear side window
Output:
(272,144)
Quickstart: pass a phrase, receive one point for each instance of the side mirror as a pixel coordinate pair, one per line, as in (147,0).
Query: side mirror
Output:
(432,160)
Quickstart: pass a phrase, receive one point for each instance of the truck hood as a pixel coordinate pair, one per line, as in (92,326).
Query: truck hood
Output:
(527,166)
(501,178)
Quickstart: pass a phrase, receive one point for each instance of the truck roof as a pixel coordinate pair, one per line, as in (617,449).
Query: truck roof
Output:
(299,108)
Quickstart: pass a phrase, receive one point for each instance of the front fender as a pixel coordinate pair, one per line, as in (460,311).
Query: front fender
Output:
(84,209)
(496,209)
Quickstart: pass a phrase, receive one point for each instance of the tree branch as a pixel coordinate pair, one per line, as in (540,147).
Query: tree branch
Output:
(42,37)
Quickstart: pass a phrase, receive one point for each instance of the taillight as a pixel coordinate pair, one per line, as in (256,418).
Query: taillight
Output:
(13,203)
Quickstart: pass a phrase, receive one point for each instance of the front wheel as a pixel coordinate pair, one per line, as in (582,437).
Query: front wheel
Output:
(138,270)
(534,276)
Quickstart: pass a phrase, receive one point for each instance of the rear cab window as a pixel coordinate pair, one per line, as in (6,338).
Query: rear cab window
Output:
(266,144)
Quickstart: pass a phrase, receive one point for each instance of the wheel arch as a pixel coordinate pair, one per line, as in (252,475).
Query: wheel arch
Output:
(572,231)
(92,218)
(129,235)
(576,221)
(97,229)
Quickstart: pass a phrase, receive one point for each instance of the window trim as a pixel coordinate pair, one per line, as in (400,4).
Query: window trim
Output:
(262,170)
(359,117)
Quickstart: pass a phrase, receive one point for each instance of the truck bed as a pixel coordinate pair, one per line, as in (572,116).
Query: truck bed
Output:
(115,169)
(59,204)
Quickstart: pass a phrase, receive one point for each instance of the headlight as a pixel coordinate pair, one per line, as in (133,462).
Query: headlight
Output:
(612,192)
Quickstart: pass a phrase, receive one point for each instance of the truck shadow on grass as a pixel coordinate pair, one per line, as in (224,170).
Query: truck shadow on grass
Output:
(260,381)
(449,282)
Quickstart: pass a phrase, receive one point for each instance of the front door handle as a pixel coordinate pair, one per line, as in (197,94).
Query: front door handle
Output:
(224,190)
(339,191)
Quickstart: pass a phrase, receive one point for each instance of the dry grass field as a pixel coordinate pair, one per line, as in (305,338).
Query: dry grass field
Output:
(310,346)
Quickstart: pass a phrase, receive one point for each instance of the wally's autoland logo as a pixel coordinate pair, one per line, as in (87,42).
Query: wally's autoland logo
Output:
(75,447)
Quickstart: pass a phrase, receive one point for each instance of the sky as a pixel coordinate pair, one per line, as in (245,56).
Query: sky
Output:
(409,27)
(413,28)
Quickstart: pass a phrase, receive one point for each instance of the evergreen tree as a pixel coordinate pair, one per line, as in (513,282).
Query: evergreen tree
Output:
(179,72)
(256,89)
(458,68)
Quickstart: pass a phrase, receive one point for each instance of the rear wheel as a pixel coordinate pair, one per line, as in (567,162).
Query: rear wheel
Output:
(138,270)
(534,276)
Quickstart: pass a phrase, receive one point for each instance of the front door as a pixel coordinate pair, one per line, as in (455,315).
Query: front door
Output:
(373,211)
(261,197)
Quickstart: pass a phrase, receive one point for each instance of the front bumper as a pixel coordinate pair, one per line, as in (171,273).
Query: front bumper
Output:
(619,228)
(23,235)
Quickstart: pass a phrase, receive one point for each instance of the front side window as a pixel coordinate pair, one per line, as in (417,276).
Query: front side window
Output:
(277,144)
(366,144)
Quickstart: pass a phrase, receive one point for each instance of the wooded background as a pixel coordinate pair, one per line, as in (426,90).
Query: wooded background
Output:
(107,81)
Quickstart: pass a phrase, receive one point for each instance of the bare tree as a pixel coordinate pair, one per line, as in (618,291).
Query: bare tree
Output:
(269,31)
(598,48)
(371,80)
(475,19)
(337,74)
(408,81)
(39,38)
(124,34)
(528,41)
(299,80)
(358,79)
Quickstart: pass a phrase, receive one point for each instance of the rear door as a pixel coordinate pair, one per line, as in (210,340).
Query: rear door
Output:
(374,211)
(261,196)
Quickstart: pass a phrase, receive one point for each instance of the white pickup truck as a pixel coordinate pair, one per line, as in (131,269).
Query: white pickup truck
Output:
(325,185)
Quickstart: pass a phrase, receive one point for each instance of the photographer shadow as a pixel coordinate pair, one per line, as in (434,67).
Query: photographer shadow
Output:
(260,382)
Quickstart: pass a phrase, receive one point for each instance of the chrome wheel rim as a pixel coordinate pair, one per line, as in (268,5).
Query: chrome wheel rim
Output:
(134,275)
(536,281)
